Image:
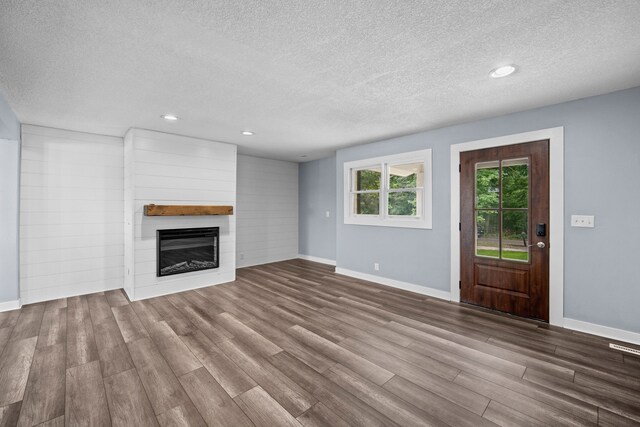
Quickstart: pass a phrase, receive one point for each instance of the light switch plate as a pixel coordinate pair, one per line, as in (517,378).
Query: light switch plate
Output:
(587,221)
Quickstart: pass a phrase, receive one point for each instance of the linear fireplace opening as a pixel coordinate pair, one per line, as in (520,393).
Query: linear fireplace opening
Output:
(184,250)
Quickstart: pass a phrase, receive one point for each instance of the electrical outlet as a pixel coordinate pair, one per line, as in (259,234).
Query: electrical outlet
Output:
(587,221)
(241,256)
(376,266)
(327,214)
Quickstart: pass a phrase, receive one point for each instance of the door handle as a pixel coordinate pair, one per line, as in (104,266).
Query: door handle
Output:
(541,245)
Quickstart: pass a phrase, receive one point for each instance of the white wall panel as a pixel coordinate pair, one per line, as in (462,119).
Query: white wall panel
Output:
(267,211)
(72,202)
(9,215)
(129,214)
(171,169)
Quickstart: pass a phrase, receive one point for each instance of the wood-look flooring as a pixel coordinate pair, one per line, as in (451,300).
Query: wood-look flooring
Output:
(291,344)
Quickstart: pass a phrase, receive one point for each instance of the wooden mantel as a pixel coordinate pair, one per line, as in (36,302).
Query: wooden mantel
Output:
(186,210)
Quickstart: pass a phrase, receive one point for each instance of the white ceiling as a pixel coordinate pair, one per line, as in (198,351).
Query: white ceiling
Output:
(307,76)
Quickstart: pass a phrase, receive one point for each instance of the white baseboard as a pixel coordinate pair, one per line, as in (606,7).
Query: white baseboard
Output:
(317,259)
(603,331)
(173,287)
(252,263)
(424,290)
(55,292)
(10,305)
(129,295)
(576,325)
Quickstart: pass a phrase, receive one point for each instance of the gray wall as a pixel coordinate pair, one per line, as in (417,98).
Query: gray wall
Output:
(602,174)
(9,187)
(317,196)
(9,124)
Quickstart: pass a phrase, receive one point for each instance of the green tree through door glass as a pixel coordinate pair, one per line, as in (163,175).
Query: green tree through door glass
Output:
(487,233)
(514,235)
(487,215)
(515,214)
(501,205)
(515,183)
(488,185)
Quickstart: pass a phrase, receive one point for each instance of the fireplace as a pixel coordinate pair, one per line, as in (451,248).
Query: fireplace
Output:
(185,250)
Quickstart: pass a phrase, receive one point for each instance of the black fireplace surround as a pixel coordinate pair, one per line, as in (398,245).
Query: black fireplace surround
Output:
(184,250)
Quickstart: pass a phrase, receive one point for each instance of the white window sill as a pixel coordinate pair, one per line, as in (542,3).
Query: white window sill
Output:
(390,222)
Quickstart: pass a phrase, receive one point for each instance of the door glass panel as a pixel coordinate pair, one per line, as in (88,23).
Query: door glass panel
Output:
(487,238)
(515,239)
(403,203)
(367,179)
(488,185)
(367,203)
(515,183)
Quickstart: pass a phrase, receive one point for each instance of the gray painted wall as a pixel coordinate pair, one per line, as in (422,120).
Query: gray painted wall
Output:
(9,124)
(317,195)
(602,174)
(9,197)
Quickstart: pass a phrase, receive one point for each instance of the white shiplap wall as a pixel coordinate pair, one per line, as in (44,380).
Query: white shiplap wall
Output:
(267,213)
(71,207)
(169,169)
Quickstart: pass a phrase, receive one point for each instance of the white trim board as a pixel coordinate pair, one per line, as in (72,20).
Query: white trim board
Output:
(576,325)
(424,290)
(10,305)
(12,246)
(556,211)
(240,263)
(317,259)
(54,293)
(603,331)
(173,287)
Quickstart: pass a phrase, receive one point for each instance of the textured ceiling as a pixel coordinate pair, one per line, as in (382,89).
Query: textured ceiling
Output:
(306,77)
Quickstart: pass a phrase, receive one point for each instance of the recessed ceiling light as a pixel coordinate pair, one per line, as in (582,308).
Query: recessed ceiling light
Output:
(247,133)
(503,71)
(170,117)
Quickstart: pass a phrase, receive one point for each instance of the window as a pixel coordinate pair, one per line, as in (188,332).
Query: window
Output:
(366,190)
(392,191)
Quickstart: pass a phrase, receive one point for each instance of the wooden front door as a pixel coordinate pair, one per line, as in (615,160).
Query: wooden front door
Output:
(504,230)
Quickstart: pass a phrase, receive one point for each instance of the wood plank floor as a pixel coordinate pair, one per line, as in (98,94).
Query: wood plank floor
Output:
(293,344)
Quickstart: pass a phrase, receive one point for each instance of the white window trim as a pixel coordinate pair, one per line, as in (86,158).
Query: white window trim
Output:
(384,220)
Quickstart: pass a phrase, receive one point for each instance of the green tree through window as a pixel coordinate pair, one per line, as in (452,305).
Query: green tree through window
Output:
(403,202)
(368,203)
(389,191)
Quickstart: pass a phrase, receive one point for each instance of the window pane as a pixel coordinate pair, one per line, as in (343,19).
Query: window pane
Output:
(403,203)
(367,179)
(487,185)
(514,235)
(487,239)
(367,203)
(409,175)
(515,183)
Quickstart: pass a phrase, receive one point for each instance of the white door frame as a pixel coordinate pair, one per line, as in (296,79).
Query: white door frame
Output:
(556,211)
